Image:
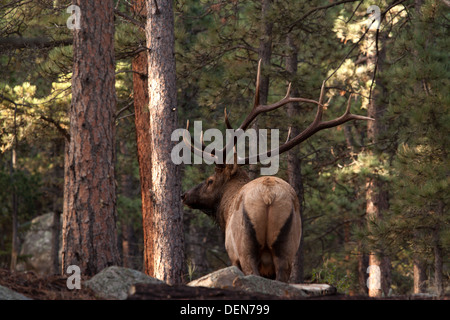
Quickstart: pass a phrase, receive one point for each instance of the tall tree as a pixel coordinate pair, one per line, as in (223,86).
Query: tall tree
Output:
(294,170)
(167,247)
(419,83)
(89,222)
(376,192)
(264,54)
(15,223)
(143,142)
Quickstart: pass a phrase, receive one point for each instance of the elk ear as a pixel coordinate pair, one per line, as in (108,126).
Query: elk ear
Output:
(230,170)
(235,165)
(234,169)
(219,169)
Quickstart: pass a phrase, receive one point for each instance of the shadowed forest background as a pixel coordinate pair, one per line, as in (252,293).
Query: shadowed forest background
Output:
(371,194)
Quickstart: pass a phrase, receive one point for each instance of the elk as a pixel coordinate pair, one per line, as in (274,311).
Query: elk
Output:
(260,219)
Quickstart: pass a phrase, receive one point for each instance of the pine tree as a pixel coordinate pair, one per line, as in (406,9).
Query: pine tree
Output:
(168,238)
(419,110)
(89,223)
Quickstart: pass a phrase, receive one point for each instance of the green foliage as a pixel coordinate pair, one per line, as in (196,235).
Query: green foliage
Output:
(330,273)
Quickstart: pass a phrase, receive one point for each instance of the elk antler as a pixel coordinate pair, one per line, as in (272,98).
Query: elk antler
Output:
(314,127)
(257,109)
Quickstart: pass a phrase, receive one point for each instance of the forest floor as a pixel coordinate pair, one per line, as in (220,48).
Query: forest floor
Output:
(53,287)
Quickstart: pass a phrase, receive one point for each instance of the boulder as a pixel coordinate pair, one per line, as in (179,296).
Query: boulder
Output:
(8,294)
(233,278)
(222,279)
(252,283)
(115,282)
(315,289)
(37,246)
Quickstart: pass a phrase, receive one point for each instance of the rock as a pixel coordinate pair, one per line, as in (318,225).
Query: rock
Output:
(222,279)
(37,245)
(259,284)
(115,282)
(315,289)
(233,278)
(8,294)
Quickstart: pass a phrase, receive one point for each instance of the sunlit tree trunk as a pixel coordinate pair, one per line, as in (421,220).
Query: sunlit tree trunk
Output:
(143,143)
(167,223)
(89,221)
(376,193)
(15,214)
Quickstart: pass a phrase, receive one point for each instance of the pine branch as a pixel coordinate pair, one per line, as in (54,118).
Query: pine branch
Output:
(57,125)
(137,23)
(50,120)
(313,10)
(28,43)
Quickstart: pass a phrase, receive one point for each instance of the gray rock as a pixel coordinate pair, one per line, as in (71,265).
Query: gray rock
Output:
(115,282)
(222,279)
(233,278)
(8,294)
(315,289)
(37,245)
(259,284)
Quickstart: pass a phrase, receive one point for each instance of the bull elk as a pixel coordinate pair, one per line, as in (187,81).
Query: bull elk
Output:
(260,219)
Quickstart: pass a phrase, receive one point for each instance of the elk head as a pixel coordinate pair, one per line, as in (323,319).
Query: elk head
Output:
(260,218)
(206,196)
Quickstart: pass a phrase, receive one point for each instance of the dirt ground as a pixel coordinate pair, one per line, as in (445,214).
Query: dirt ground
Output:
(37,287)
(53,287)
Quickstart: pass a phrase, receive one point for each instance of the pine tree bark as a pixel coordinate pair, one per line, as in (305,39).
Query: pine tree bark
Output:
(420,275)
(167,224)
(89,221)
(294,169)
(14,202)
(438,256)
(376,193)
(264,53)
(128,241)
(56,231)
(143,143)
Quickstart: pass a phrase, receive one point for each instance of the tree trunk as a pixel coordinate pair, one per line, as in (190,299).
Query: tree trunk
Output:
(376,193)
(56,231)
(89,222)
(363,264)
(143,143)
(438,256)
(128,237)
(420,275)
(294,169)
(264,53)
(167,224)
(15,215)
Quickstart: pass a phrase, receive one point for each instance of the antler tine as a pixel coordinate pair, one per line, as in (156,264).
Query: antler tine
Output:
(258,77)
(320,104)
(349,103)
(227,121)
(289,135)
(190,142)
(322,93)
(192,145)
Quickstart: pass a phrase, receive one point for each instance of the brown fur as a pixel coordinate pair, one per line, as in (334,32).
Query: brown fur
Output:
(260,219)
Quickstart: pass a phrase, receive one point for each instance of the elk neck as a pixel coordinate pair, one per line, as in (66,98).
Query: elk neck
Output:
(230,194)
